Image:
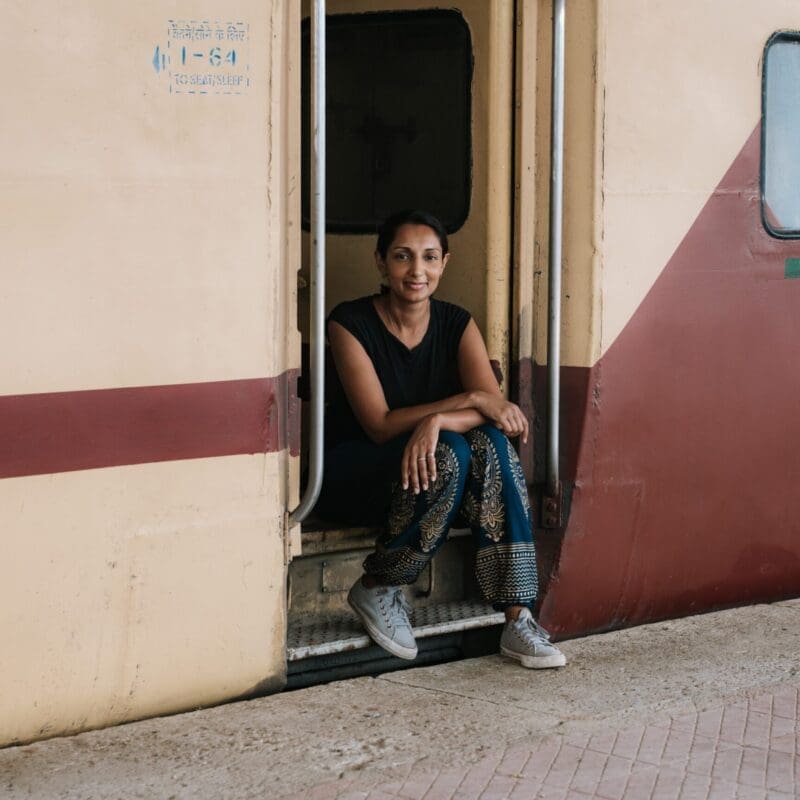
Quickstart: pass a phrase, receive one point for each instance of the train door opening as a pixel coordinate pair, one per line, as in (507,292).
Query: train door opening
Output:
(420,106)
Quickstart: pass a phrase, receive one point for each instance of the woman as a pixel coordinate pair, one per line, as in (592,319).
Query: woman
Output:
(419,428)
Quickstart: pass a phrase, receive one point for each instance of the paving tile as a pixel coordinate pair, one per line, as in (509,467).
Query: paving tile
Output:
(682,722)
(757,729)
(603,742)
(628,742)
(564,766)
(499,788)
(785,703)
(614,779)
(445,785)
(788,743)
(672,783)
(680,743)
(761,702)
(780,792)
(589,772)
(416,786)
(514,760)
(733,725)
(728,720)
(653,747)
(525,789)
(781,726)
(640,784)
(782,769)
(542,758)
(475,781)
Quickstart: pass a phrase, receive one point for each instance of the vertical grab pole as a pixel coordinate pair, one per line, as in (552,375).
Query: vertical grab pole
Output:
(554,274)
(317,315)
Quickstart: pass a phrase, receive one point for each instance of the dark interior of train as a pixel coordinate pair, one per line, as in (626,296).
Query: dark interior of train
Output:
(398,136)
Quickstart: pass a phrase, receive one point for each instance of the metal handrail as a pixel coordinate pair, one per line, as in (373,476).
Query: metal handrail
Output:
(317,281)
(554,273)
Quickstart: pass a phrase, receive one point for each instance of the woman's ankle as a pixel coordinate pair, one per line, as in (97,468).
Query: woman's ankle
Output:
(368,582)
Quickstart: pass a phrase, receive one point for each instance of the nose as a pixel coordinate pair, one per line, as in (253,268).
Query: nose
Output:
(417,265)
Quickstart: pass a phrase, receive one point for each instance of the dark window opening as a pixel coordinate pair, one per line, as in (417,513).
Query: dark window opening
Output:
(780,136)
(398,113)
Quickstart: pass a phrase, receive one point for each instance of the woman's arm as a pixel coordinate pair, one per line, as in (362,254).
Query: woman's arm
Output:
(482,388)
(484,401)
(365,393)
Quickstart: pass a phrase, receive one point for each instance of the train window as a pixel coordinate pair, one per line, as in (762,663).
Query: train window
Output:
(780,136)
(398,109)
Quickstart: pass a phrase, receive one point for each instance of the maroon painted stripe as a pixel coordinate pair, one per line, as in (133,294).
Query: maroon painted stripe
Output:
(66,431)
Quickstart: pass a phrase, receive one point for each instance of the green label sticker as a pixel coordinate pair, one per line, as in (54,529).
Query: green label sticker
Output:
(792,269)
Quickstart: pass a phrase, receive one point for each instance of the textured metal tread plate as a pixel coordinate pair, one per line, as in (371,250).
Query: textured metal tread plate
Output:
(321,636)
(320,537)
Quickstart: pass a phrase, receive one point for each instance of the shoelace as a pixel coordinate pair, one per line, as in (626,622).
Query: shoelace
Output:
(533,632)
(400,607)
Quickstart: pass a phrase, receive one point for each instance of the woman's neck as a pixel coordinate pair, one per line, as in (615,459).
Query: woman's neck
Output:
(407,321)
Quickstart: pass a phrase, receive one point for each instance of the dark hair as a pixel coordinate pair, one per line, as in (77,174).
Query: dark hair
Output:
(388,230)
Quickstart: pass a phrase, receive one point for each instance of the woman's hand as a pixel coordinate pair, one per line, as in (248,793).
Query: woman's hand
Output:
(505,415)
(477,377)
(418,467)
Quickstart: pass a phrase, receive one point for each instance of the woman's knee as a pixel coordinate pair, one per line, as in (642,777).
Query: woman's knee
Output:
(494,435)
(453,455)
(487,438)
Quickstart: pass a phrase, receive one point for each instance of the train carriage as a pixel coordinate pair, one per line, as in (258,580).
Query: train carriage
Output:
(157,265)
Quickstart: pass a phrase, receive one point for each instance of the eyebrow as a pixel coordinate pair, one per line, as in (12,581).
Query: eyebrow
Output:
(406,247)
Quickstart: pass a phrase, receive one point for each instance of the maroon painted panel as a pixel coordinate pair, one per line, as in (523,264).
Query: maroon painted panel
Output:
(66,431)
(686,494)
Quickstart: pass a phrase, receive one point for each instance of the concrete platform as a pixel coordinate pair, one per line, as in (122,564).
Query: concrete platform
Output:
(706,706)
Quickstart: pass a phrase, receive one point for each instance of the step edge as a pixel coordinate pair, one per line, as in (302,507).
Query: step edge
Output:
(421,632)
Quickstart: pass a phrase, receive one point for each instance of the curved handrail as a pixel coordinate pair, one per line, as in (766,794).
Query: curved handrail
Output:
(317,282)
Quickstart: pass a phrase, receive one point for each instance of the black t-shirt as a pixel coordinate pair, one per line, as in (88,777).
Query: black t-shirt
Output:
(424,374)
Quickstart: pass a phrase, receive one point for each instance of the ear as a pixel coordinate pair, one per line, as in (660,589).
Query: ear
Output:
(445,260)
(380,263)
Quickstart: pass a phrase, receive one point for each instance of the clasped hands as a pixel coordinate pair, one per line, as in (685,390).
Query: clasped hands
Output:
(418,465)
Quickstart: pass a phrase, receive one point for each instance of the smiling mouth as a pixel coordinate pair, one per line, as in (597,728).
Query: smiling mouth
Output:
(416,284)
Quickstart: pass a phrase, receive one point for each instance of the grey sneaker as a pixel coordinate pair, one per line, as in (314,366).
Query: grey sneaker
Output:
(529,643)
(384,612)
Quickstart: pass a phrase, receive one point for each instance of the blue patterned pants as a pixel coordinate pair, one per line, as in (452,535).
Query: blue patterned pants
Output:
(479,483)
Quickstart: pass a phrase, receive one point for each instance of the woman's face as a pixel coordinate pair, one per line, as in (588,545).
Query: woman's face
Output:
(414,263)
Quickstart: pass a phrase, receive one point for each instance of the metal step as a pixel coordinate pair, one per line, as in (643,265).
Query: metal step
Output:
(321,537)
(311,636)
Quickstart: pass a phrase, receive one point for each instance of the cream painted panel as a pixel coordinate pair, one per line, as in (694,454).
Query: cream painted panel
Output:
(140,590)
(83,313)
(137,226)
(682,95)
(582,197)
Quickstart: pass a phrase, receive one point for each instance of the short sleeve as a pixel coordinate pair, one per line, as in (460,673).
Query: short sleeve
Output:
(454,322)
(352,317)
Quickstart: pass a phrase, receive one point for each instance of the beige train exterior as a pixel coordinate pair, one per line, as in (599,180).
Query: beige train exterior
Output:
(661,97)
(151,239)
(148,239)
